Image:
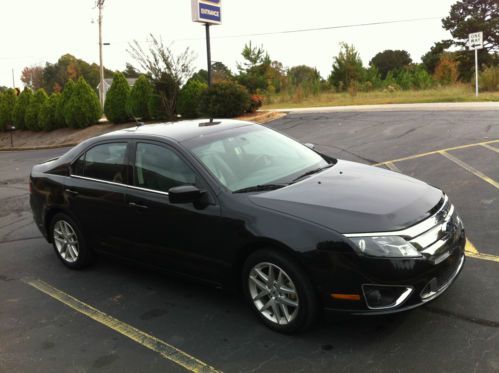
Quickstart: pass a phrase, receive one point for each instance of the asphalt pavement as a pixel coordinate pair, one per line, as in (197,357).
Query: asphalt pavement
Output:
(459,332)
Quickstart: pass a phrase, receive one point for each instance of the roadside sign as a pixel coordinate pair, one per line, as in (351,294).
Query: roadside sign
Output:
(476,40)
(207,11)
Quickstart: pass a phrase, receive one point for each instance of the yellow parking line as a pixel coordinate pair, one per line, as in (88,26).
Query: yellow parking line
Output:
(164,349)
(470,248)
(490,147)
(392,166)
(435,152)
(483,256)
(468,168)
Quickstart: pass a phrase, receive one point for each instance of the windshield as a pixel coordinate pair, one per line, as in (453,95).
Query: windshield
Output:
(254,155)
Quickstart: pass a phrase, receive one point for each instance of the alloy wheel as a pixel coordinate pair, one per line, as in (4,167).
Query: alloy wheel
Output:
(273,293)
(66,241)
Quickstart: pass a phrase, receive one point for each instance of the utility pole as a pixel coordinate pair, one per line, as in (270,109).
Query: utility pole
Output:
(100,4)
(13,81)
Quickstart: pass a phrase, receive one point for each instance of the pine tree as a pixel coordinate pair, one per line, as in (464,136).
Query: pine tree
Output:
(65,96)
(115,106)
(20,108)
(83,107)
(32,112)
(47,113)
(7,102)
(137,104)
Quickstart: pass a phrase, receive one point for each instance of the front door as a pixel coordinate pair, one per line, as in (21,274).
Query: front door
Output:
(178,237)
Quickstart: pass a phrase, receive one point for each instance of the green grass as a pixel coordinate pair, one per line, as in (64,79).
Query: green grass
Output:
(457,93)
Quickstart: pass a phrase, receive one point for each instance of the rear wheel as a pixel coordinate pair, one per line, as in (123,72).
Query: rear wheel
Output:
(69,243)
(279,292)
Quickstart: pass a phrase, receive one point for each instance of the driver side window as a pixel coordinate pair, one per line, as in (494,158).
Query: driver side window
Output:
(159,168)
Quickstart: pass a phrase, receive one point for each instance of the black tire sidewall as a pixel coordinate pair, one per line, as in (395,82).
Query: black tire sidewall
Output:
(307,298)
(85,256)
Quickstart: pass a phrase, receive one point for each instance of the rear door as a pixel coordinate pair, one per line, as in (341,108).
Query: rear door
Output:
(179,237)
(96,193)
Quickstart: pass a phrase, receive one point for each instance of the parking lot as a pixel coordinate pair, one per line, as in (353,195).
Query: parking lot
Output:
(119,317)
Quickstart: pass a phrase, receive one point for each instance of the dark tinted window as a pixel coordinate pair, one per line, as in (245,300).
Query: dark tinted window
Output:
(104,162)
(159,168)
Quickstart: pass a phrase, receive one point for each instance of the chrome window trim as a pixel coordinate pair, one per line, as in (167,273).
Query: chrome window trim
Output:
(412,231)
(399,301)
(119,184)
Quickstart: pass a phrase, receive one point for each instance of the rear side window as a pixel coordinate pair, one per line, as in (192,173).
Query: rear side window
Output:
(104,162)
(159,168)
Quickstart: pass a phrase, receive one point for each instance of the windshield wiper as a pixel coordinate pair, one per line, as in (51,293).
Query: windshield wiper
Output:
(311,172)
(258,188)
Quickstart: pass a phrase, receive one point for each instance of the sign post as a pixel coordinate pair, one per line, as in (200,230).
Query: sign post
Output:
(476,42)
(208,12)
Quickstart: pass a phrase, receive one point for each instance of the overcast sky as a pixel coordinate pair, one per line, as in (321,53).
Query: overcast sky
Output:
(35,31)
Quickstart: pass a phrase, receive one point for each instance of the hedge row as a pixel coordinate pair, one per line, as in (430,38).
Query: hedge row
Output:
(77,107)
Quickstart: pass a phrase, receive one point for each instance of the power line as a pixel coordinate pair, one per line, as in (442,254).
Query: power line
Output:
(302,30)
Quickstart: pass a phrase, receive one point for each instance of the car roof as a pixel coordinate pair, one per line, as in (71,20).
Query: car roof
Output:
(181,130)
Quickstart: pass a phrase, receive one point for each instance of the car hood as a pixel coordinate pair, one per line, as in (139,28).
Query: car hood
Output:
(352,198)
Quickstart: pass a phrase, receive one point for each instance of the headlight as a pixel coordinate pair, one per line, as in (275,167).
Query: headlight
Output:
(386,246)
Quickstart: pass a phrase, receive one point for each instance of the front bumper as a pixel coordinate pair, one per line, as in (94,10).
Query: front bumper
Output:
(426,278)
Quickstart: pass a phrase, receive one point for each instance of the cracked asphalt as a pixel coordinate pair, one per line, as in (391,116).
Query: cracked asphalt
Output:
(458,332)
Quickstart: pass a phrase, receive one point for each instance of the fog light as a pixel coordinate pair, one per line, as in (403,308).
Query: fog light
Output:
(384,297)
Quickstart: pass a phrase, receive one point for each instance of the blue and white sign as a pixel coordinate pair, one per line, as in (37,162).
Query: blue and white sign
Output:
(207,11)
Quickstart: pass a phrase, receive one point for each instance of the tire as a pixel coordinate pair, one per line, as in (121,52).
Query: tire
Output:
(290,288)
(69,243)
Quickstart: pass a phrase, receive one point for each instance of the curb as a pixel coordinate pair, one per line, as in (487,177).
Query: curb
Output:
(16,149)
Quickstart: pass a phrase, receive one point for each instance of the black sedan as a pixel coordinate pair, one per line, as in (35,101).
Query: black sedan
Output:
(239,205)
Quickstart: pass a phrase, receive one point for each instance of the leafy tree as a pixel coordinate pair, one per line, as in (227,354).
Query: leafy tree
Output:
(167,71)
(390,60)
(189,98)
(432,57)
(489,79)
(130,71)
(32,119)
(305,77)
(446,71)
(115,106)
(47,117)
(468,16)
(372,79)
(61,104)
(68,67)
(7,102)
(32,77)
(83,107)
(139,97)
(224,100)
(347,68)
(20,108)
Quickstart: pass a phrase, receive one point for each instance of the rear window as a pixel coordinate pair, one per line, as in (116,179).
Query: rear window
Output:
(103,162)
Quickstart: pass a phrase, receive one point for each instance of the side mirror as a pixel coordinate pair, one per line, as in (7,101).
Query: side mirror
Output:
(184,194)
(310,146)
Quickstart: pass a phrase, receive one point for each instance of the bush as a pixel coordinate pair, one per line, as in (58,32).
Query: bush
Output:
(32,120)
(61,104)
(421,78)
(20,108)
(256,102)
(83,107)
(137,104)
(115,106)
(47,117)
(189,98)
(446,71)
(224,100)
(7,102)
(489,79)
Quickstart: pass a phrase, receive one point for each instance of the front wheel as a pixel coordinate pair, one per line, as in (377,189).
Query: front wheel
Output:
(279,291)
(69,243)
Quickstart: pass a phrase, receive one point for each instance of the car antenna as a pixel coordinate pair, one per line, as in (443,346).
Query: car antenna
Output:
(210,122)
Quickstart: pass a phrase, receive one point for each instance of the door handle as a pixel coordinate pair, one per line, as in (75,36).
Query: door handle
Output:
(137,205)
(72,192)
